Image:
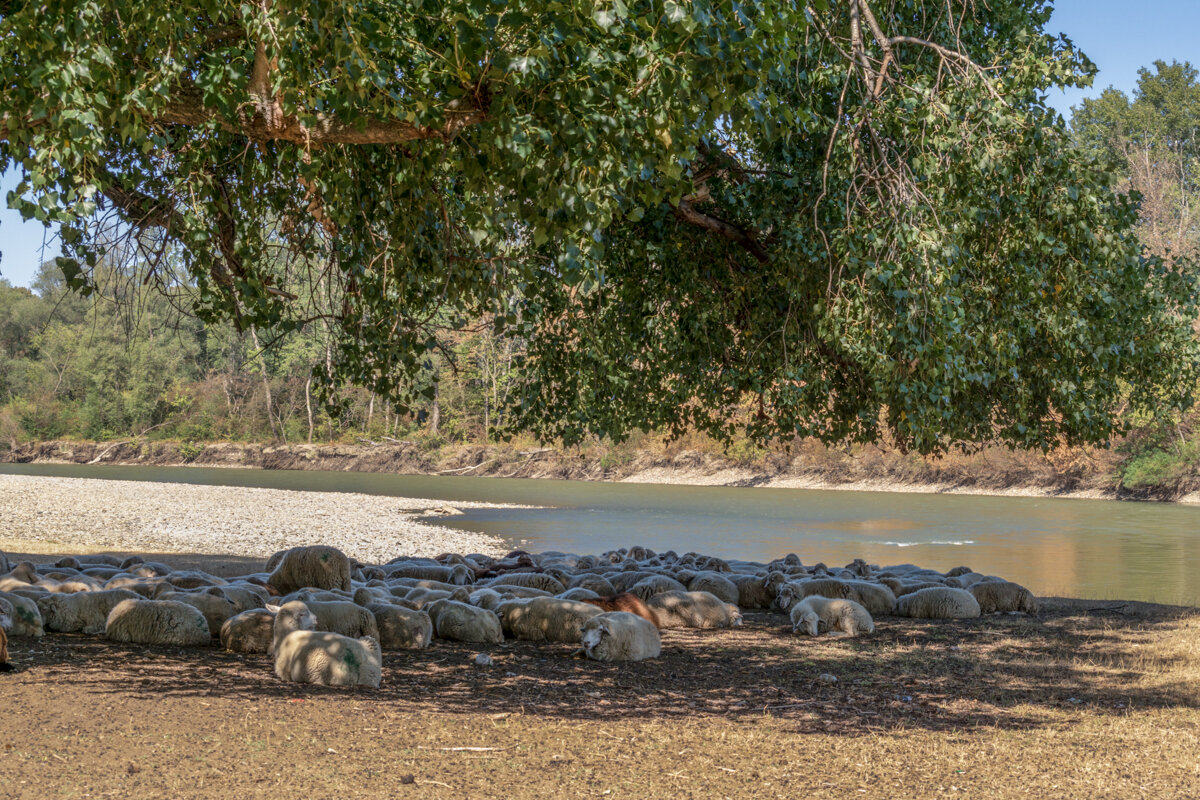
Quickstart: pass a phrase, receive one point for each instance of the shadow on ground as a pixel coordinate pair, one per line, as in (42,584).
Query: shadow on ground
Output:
(1006,671)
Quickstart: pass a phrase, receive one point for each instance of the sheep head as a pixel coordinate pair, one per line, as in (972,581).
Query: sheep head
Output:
(808,623)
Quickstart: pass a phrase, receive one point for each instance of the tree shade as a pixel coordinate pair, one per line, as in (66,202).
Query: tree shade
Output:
(852,219)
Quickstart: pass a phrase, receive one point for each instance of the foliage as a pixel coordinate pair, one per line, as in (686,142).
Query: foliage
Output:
(860,218)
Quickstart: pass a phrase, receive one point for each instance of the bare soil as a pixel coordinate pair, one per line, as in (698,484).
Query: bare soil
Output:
(1088,700)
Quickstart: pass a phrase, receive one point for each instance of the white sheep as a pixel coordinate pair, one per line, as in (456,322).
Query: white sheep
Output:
(620,636)
(464,623)
(213,605)
(344,617)
(596,583)
(875,597)
(1003,596)
(578,593)
(682,609)
(837,615)
(624,581)
(751,591)
(193,579)
(85,612)
(486,598)
(157,622)
(26,619)
(544,619)
(251,631)
(523,592)
(940,602)
(401,628)
(317,567)
(457,575)
(305,655)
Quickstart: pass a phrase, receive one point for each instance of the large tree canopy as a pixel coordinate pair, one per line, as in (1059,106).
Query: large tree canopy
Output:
(857,217)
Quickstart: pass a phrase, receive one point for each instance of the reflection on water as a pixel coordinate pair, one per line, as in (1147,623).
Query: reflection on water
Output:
(1081,548)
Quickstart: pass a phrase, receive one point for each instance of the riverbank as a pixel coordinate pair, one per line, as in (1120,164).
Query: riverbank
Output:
(76,515)
(1076,472)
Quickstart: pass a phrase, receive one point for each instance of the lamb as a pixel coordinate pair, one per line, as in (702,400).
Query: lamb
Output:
(716,584)
(465,623)
(654,585)
(83,611)
(814,612)
(528,580)
(677,609)
(626,602)
(157,622)
(941,602)
(251,631)
(620,636)
(26,619)
(401,628)
(545,619)
(317,567)
(1003,596)
(305,655)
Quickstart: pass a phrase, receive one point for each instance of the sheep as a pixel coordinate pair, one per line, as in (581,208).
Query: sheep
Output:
(836,615)
(458,575)
(421,597)
(1003,596)
(93,560)
(244,596)
(305,655)
(251,631)
(486,598)
(596,583)
(157,622)
(365,595)
(620,636)
(83,611)
(629,603)
(941,602)
(716,584)
(528,580)
(654,585)
(465,623)
(416,583)
(318,567)
(544,619)
(751,591)
(215,607)
(26,619)
(144,587)
(965,580)
(401,628)
(343,617)
(676,609)
(522,592)
(624,581)
(875,597)
(794,591)
(315,595)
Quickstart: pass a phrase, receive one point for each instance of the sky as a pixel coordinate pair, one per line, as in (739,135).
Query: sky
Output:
(1118,35)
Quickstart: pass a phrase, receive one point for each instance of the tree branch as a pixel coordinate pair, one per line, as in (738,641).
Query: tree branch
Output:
(688,213)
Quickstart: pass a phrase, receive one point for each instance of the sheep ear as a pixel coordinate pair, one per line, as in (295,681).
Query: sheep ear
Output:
(272,609)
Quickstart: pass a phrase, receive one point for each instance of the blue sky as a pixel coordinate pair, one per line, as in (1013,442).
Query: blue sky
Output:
(1119,35)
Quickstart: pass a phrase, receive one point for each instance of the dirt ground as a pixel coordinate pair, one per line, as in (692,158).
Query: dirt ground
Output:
(1089,700)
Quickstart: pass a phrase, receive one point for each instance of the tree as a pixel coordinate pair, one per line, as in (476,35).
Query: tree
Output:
(1153,143)
(859,214)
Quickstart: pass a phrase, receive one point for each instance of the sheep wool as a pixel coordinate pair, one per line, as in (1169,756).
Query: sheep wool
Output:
(715,583)
(655,585)
(26,619)
(251,631)
(85,612)
(941,602)
(545,619)
(317,566)
(678,609)
(837,615)
(1003,596)
(304,655)
(157,622)
(401,628)
(465,623)
(620,636)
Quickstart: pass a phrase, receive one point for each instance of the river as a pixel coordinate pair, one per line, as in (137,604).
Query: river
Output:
(1074,548)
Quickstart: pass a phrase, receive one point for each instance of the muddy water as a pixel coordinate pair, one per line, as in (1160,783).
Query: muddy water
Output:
(1075,548)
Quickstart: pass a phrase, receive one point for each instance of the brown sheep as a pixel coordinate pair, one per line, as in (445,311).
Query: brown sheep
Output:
(625,601)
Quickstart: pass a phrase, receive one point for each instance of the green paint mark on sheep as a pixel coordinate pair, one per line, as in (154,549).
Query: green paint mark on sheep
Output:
(351,659)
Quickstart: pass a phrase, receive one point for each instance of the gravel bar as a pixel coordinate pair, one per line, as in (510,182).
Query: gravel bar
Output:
(137,516)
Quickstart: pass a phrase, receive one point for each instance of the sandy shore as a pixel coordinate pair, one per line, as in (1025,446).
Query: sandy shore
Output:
(40,514)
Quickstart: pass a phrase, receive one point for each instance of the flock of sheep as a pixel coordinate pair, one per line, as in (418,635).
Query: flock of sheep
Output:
(326,618)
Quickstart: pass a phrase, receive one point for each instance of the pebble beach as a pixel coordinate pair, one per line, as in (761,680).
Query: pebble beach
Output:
(86,515)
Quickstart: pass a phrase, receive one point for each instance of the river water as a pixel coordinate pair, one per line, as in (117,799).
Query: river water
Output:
(1074,548)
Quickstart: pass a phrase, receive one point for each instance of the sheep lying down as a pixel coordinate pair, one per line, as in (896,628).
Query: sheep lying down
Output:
(839,616)
(305,655)
(620,636)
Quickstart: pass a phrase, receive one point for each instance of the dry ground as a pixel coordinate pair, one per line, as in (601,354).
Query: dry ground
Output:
(1090,700)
